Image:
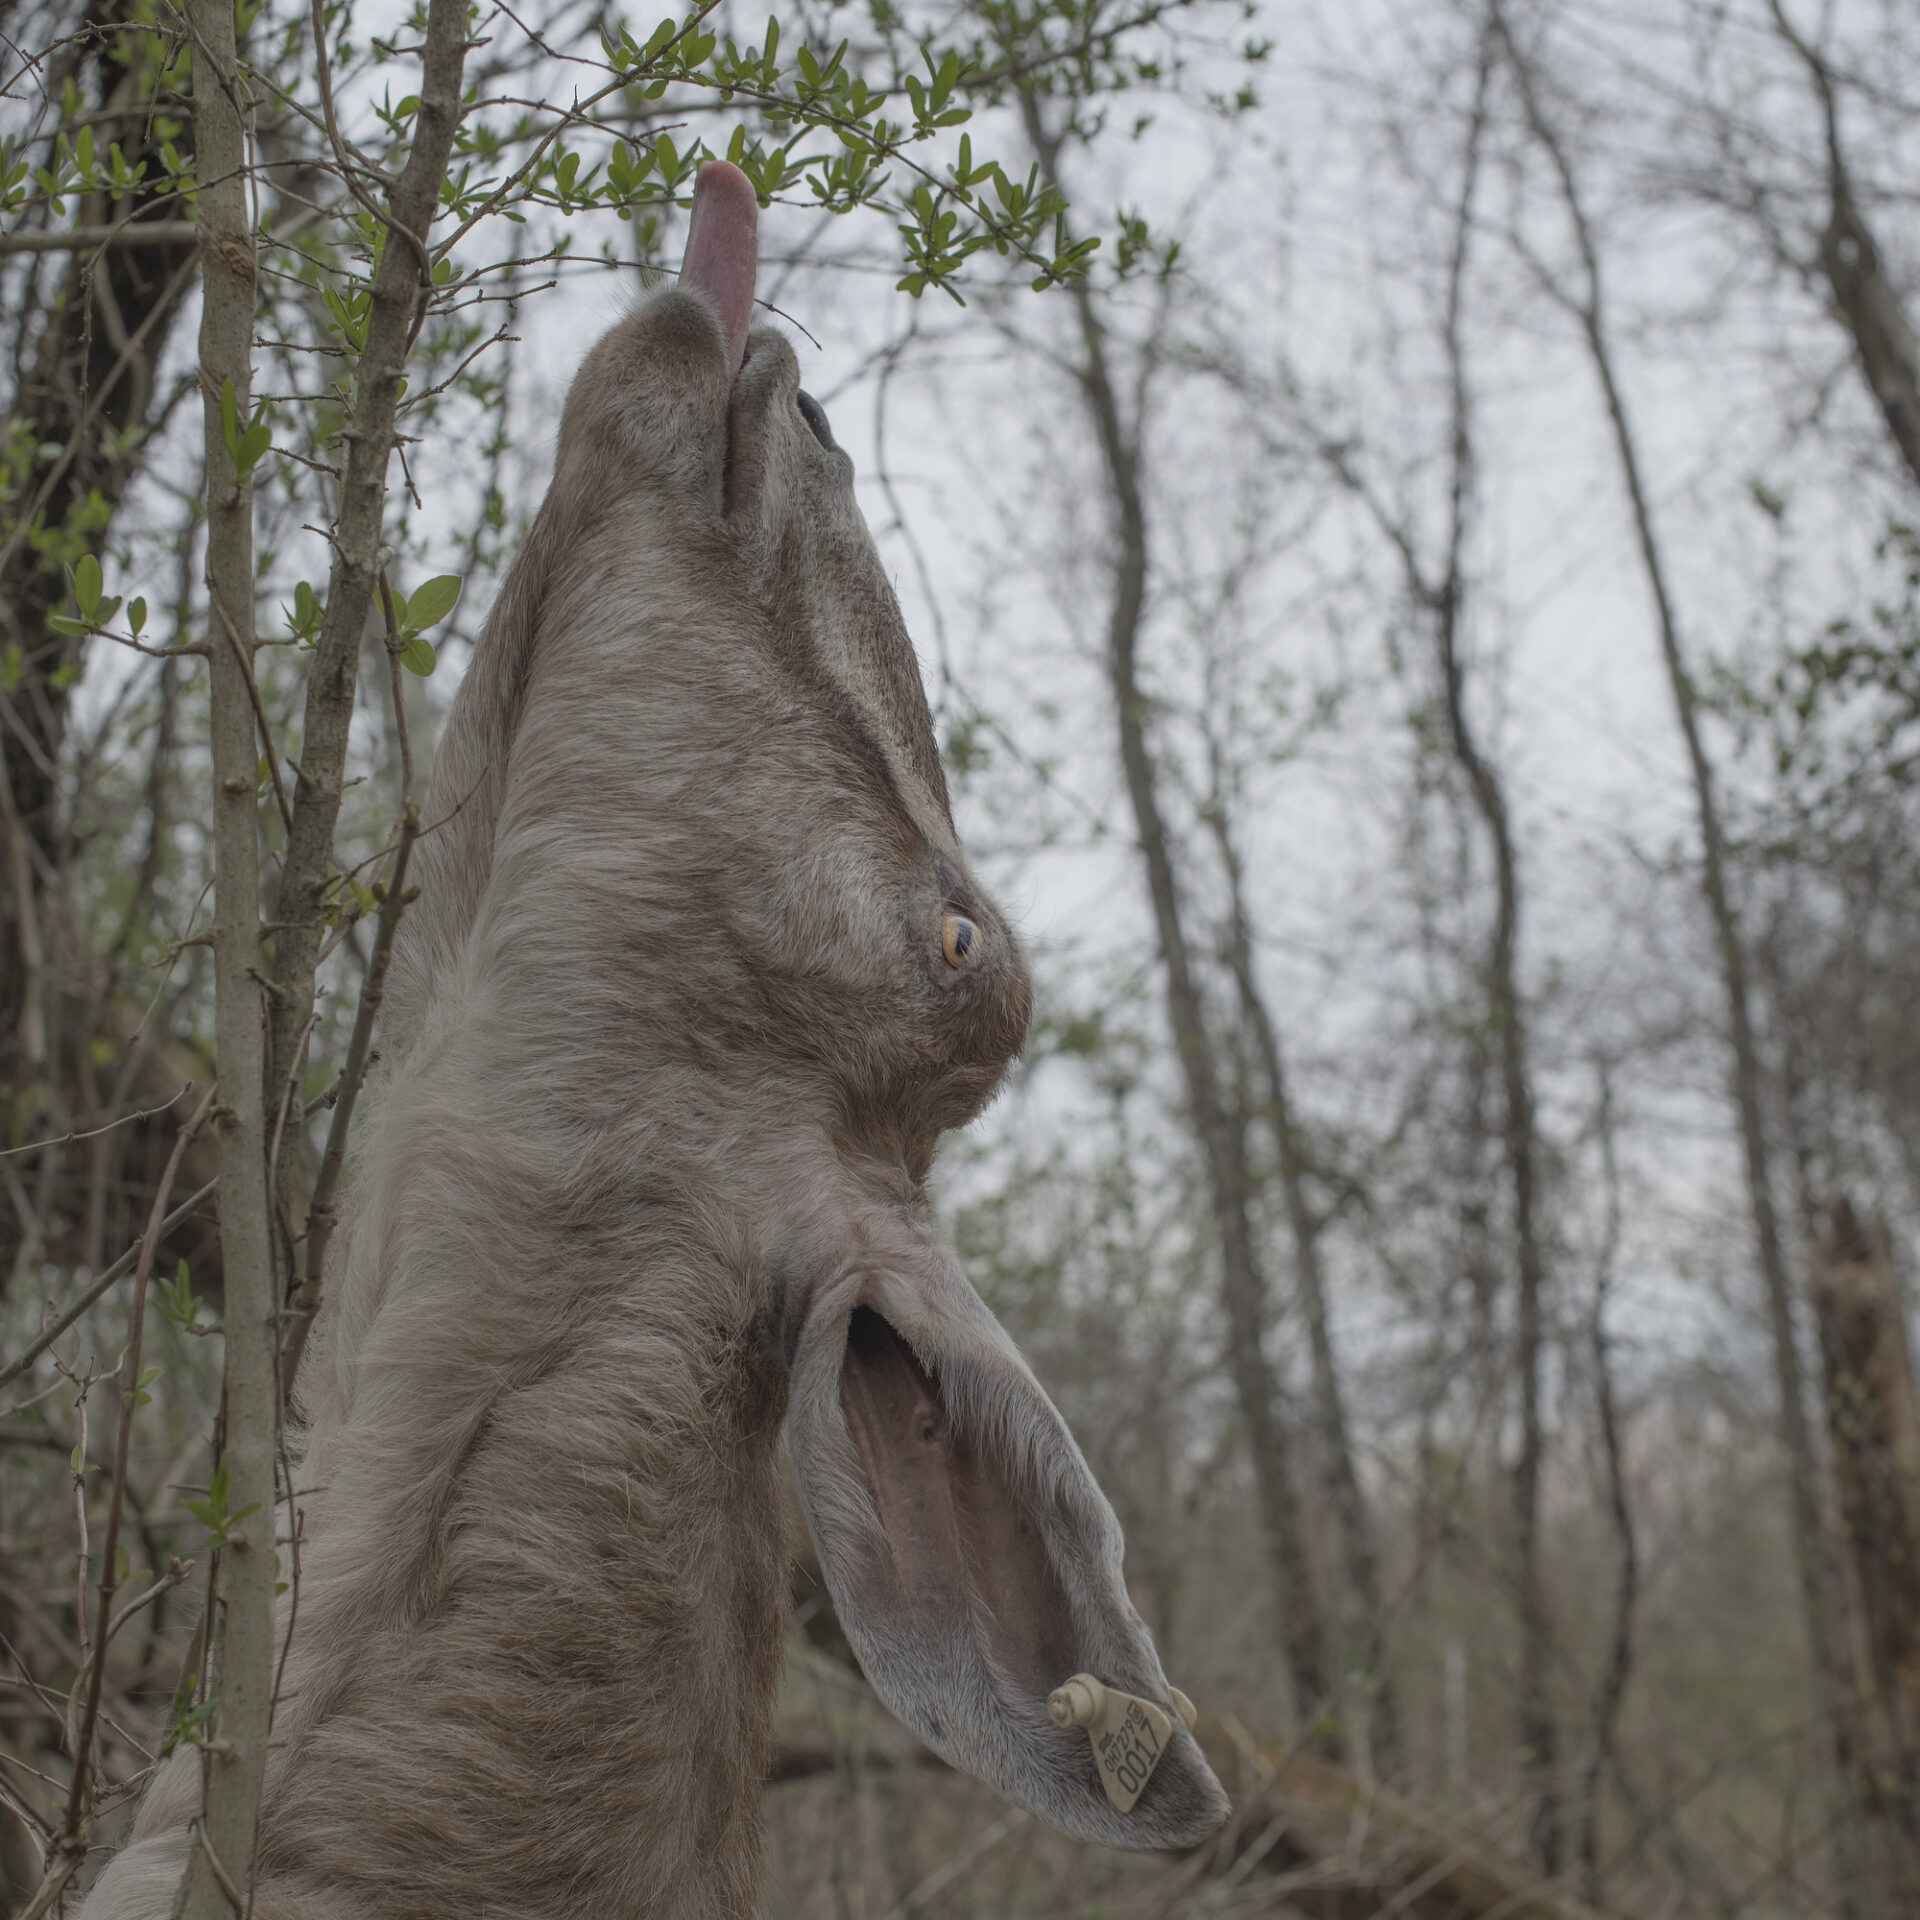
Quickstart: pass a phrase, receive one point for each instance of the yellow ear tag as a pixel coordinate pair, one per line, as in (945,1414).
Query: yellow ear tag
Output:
(1129,1734)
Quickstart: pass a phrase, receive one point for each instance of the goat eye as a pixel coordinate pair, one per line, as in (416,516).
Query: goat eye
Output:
(957,937)
(815,415)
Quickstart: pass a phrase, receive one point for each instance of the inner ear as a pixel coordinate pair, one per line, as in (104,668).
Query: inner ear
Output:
(960,1533)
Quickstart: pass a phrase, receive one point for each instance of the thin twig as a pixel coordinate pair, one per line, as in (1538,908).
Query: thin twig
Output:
(397,677)
(320,1213)
(68,1139)
(36,1347)
(174,1576)
(73,1833)
(348,163)
(76,439)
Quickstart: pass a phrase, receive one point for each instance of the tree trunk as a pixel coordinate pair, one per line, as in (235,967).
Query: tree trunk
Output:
(1608,1696)
(1221,1132)
(1819,1596)
(1874,1423)
(240,1595)
(1865,300)
(1538,1729)
(1363,1614)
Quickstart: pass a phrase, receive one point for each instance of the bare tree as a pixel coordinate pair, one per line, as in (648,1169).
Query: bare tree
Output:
(1439,592)
(1585,303)
(1444,600)
(1865,300)
(1363,1613)
(1219,1126)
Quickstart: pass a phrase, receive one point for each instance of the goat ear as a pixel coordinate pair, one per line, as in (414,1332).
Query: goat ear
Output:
(974,1563)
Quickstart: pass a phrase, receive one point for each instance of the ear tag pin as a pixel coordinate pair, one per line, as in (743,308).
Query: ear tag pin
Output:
(1129,1735)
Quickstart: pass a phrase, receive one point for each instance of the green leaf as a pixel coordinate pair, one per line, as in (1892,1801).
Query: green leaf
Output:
(417,656)
(253,443)
(173,1300)
(432,601)
(212,1511)
(86,584)
(137,612)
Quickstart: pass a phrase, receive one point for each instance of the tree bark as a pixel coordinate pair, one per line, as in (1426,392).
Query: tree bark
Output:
(240,1595)
(1865,300)
(1220,1131)
(1874,1422)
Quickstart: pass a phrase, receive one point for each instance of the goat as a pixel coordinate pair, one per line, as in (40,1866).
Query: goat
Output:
(697,976)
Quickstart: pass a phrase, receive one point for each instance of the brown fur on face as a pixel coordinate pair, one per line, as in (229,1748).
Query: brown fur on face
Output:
(670,1040)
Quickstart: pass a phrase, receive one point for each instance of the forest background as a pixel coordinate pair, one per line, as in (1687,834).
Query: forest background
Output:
(1423,621)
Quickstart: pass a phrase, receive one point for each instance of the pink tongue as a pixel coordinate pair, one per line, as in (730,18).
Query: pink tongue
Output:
(721,251)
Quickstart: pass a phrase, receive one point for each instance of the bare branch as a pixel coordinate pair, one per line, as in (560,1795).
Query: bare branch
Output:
(98,1291)
(320,1213)
(133,233)
(73,1834)
(400,294)
(68,1139)
(1868,303)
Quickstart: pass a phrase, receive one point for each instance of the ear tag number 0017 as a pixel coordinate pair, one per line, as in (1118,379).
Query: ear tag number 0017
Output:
(1129,1735)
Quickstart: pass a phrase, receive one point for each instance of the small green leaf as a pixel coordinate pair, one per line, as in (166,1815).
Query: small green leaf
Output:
(137,612)
(417,656)
(432,601)
(86,584)
(173,1299)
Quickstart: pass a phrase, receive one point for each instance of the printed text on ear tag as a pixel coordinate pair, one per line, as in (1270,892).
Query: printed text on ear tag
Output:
(1128,1734)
